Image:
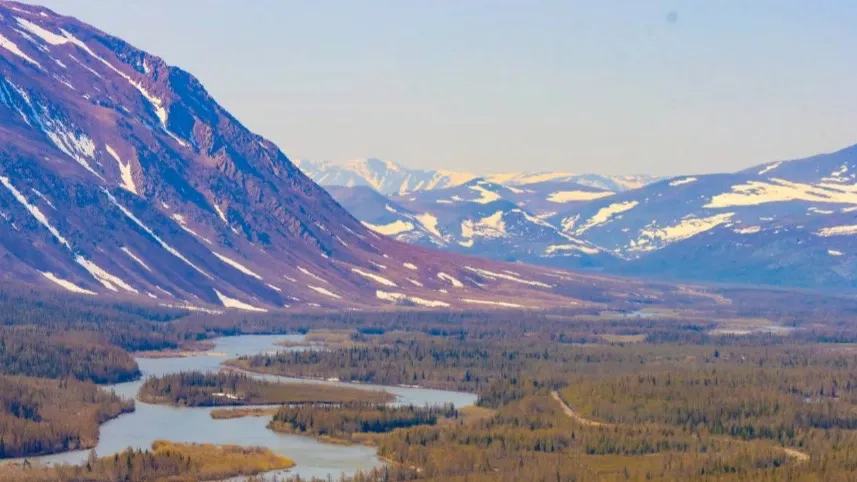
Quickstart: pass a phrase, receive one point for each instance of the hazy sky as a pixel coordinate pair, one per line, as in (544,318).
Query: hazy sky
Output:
(599,86)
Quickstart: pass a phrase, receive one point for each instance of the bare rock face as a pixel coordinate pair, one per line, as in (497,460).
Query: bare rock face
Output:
(121,176)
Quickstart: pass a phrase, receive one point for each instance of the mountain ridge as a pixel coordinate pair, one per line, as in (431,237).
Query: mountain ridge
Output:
(784,223)
(121,176)
(389,177)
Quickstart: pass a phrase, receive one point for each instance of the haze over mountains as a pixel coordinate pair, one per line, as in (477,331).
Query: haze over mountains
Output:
(787,223)
(388,177)
(121,176)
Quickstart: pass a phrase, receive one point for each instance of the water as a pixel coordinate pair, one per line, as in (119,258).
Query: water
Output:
(182,424)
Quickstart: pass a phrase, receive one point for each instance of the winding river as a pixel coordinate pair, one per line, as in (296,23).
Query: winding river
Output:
(181,424)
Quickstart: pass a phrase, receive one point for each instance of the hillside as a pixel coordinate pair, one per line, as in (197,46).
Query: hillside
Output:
(123,177)
(789,223)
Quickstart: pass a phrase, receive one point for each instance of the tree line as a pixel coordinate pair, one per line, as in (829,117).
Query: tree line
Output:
(230,388)
(165,461)
(344,421)
(41,416)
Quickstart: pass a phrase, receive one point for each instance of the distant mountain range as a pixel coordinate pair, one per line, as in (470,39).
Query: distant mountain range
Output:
(791,223)
(120,176)
(389,177)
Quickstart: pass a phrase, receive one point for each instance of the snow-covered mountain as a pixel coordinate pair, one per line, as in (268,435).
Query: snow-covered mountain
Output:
(388,177)
(484,223)
(121,176)
(783,223)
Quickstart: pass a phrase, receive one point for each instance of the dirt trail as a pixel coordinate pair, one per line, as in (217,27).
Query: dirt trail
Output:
(792,453)
(576,416)
(796,454)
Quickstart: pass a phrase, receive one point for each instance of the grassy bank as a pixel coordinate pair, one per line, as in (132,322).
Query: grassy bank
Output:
(166,461)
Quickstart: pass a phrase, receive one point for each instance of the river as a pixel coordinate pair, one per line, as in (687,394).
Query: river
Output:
(183,424)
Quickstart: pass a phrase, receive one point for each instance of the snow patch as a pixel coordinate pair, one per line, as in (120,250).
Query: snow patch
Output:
(181,220)
(834,252)
(606,214)
(312,275)
(56,39)
(124,171)
(324,291)
(135,258)
(237,304)
(410,266)
(573,196)
(43,198)
(779,190)
(220,214)
(65,137)
(485,196)
(455,283)
(68,285)
(747,230)
(561,248)
(403,298)
(507,276)
(101,275)
(164,291)
(837,231)
(652,238)
(11,47)
(680,182)
(820,211)
(429,222)
(380,279)
(44,34)
(235,264)
(769,168)
(35,212)
(533,219)
(502,304)
(391,229)
(488,227)
(189,307)
(154,236)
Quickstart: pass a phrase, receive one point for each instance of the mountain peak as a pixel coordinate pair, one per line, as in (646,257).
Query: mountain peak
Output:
(122,176)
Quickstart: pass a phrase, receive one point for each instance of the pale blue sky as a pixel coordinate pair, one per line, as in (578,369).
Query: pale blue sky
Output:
(596,86)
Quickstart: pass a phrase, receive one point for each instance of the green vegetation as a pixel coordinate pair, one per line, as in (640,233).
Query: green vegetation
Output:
(198,389)
(166,461)
(346,421)
(568,395)
(739,410)
(426,362)
(37,352)
(41,416)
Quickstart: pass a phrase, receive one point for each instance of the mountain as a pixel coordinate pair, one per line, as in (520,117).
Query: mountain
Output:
(122,177)
(477,217)
(784,223)
(388,177)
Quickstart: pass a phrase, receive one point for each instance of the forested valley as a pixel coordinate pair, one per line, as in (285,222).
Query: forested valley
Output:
(740,408)
(570,395)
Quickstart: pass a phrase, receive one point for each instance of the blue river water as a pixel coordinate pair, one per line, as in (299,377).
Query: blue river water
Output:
(184,424)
